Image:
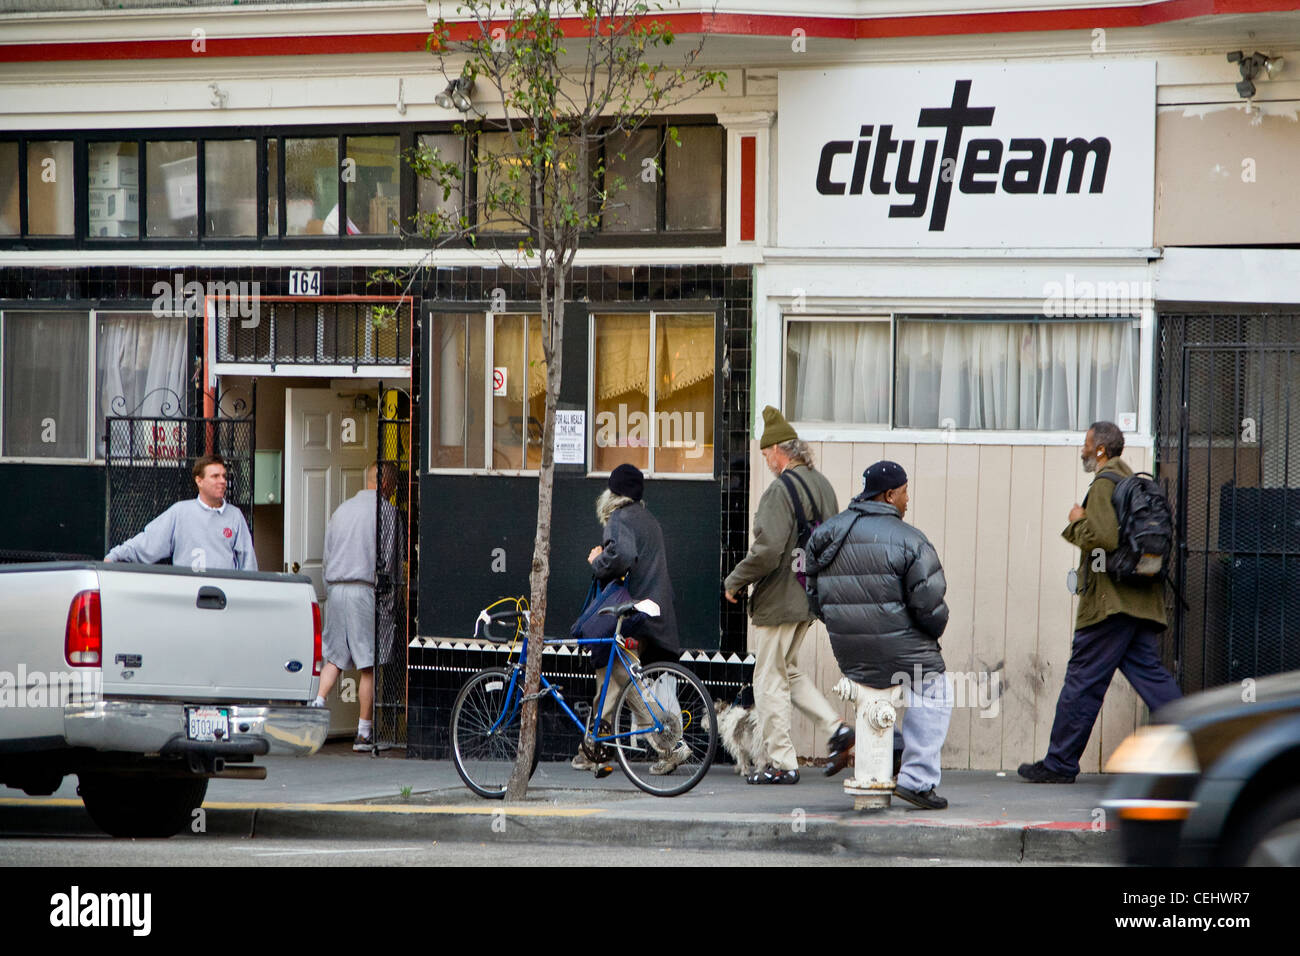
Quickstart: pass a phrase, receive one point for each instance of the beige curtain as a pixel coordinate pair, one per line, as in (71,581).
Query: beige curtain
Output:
(623,355)
(508,350)
(685,352)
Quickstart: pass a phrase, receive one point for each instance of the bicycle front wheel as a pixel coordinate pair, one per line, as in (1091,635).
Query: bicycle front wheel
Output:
(485,732)
(668,762)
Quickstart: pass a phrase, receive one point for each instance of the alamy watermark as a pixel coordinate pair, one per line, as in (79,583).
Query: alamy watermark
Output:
(36,689)
(1086,299)
(626,428)
(241,300)
(981,690)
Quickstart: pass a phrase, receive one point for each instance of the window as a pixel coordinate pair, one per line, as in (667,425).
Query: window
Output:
(230,188)
(662,424)
(493,362)
(52,396)
(664,186)
(313,333)
(373,194)
(432,199)
(266,186)
(172,174)
(50,189)
(693,177)
(837,371)
(46,356)
(9,211)
(139,372)
(1003,373)
(311,188)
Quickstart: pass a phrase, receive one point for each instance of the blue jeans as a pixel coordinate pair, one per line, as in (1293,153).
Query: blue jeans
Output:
(925,727)
(1128,643)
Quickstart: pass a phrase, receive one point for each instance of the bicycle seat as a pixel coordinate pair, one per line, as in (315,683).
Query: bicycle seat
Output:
(645,606)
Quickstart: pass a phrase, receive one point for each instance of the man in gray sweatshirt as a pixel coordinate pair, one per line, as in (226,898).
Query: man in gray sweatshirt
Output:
(205,534)
(350,571)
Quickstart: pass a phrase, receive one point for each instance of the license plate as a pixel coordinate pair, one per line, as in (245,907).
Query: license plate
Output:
(208,723)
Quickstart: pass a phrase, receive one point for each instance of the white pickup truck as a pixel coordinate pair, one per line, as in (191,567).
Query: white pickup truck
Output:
(146,681)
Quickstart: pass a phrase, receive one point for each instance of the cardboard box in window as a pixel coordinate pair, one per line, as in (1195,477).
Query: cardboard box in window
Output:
(181,182)
(383,215)
(114,229)
(114,204)
(110,169)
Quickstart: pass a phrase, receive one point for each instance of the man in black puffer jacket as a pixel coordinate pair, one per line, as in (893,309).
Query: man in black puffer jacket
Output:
(878,585)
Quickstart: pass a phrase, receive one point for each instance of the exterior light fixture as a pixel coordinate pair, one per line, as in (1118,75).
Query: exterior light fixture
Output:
(1257,66)
(456,95)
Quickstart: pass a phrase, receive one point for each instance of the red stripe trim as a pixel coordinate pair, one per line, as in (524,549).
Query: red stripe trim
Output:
(747,188)
(846,28)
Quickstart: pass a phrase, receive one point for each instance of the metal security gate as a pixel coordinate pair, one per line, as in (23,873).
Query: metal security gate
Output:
(1231,444)
(395,565)
(149,460)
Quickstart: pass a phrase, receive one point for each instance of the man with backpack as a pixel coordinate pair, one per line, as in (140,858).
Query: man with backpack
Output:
(789,509)
(1123,532)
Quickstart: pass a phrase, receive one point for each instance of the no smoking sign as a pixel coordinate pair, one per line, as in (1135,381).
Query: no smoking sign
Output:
(499,380)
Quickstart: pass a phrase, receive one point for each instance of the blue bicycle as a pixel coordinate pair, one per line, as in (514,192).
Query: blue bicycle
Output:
(661,726)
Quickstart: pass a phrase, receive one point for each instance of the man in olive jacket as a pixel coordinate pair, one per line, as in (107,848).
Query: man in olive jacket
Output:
(779,606)
(880,589)
(1117,624)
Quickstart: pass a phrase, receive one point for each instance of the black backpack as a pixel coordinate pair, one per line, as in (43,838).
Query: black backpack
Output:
(1146,530)
(803,526)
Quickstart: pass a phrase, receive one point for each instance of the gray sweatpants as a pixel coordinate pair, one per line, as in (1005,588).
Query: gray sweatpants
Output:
(925,727)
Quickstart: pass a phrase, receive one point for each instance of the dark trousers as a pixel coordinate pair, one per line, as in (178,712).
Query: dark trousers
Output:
(1119,641)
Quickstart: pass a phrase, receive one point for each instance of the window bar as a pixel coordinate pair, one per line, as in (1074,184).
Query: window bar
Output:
(1286,483)
(1205,562)
(489,341)
(201,188)
(23,224)
(282,209)
(142,231)
(652,379)
(1243,355)
(341,154)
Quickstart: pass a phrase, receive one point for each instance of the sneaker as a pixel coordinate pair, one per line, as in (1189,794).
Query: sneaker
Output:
(317,703)
(669,762)
(841,748)
(925,799)
(1037,772)
(367,744)
(582,762)
(772,775)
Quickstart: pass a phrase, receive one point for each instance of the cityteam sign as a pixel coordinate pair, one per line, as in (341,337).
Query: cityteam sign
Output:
(968,156)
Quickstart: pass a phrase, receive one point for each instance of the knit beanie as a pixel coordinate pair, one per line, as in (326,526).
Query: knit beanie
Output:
(775,429)
(881,477)
(627,480)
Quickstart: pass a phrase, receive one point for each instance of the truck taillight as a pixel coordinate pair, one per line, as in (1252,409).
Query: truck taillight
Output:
(316,660)
(83,640)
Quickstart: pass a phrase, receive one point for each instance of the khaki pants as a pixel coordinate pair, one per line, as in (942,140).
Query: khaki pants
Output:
(662,743)
(779,685)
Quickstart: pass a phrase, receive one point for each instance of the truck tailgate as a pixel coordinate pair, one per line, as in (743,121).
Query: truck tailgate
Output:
(207,636)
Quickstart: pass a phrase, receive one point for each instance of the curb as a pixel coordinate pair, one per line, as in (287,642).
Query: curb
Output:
(1006,843)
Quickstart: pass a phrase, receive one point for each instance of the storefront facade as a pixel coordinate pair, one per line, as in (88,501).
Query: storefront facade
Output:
(951,240)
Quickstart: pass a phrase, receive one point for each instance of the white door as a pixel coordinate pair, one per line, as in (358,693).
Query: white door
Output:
(328,444)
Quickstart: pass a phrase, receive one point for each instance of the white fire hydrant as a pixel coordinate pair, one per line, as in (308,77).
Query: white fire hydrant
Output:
(872,782)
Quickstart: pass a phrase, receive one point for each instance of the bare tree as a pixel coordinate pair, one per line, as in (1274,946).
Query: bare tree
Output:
(570,83)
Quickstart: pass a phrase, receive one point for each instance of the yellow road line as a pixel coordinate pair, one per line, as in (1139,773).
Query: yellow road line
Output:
(347,807)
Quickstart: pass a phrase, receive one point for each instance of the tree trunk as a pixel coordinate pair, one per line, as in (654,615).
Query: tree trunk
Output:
(540,573)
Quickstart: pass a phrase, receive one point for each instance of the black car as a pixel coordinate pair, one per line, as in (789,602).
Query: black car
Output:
(1214,780)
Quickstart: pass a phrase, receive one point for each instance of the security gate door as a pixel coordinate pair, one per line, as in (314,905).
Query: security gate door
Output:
(1237,505)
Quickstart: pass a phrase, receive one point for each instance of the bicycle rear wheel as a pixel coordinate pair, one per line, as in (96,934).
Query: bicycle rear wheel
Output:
(485,732)
(665,763)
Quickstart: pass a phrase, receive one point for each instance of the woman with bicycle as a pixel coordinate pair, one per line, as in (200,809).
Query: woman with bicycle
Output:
(633,549)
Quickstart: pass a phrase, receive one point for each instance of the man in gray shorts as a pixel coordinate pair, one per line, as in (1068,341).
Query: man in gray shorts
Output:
(348,641)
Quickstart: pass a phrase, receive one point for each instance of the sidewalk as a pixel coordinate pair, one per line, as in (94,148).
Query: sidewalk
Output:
(337,794)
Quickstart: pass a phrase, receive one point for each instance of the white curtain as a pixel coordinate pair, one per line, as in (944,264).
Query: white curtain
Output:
(1038,376)
(140,372)
(837,372)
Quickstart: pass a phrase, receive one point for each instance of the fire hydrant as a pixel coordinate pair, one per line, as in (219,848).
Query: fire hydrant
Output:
(872,782)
